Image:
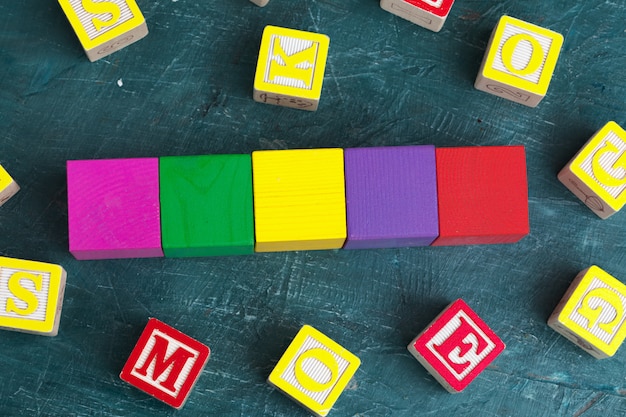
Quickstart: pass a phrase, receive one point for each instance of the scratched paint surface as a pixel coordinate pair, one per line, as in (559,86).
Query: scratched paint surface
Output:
(186,89)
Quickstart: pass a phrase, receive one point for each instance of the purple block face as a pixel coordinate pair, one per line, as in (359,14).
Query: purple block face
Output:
(391,195)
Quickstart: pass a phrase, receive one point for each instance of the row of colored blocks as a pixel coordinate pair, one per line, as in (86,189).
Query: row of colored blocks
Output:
(302,199)
(455,347)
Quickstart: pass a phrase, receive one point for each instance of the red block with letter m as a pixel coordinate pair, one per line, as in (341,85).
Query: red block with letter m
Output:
(456,346)
(165,363)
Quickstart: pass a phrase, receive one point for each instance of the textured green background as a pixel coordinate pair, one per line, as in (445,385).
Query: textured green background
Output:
(186,90)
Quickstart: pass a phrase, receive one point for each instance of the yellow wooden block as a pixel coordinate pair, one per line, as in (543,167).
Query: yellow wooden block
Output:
(519,61)
(105,26)
(591,313)
(299,199)
(8,187)
(314,370)
(597,173)
(31,296)
(290,69)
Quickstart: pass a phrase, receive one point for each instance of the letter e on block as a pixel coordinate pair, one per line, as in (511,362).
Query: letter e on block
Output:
(456,347)
(519,61)
(597,173)
(165,363)
(314,371)
(290,69)
(105,26)
(430,14)
(591,313)
(8,187)
(31,296)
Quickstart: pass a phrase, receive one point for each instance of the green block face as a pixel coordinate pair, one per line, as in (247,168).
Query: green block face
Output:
(206,205)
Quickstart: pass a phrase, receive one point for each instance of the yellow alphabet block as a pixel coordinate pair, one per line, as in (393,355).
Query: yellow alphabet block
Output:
(314,370)
(299,199)
(31,296)
(591,313)
(8,187)
(105,26)
(597,173)
(290,69)
(519,61)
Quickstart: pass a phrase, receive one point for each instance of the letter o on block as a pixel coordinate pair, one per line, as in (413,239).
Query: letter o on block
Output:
(314,370)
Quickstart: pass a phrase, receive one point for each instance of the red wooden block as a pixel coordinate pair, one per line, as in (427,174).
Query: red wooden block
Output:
(456,346)
(483,195)
(165,363)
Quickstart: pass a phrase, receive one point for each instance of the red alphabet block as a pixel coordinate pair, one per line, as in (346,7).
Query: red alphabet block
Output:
(165,363)
(456,347)
(483,195)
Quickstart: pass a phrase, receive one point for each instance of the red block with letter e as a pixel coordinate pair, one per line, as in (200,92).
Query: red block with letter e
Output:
(165,363)
(456,347)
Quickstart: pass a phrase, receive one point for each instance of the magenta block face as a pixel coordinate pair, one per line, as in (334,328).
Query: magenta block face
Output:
(391,195)
(113,208)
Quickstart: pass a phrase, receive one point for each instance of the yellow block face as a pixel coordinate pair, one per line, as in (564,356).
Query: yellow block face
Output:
(290,69)
(31,295)
(601,165)
(522,55)
(314,370)
(99,22)
(299,199)
(8,187)
(595,312)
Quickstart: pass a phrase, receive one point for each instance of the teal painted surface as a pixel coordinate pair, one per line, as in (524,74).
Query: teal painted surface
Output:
(186,89)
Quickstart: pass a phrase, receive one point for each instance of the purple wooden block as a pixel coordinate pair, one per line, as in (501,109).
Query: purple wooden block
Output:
(391,197)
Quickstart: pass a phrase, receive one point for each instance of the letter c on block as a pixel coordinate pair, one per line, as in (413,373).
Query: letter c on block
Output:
(536,58)
(309,382)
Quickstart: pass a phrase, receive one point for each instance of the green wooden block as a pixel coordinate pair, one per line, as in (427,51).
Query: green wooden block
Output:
(206,205)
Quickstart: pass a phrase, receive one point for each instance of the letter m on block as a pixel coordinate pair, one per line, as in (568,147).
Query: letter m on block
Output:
(165,363)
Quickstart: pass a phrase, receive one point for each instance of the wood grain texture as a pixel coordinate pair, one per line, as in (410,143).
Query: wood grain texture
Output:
(185,89)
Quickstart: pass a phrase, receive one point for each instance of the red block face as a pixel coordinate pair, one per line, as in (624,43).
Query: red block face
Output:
(457,346)
(437,7)
(165,363)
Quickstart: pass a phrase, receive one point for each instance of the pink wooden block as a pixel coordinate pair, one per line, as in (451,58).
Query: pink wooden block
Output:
(113,208)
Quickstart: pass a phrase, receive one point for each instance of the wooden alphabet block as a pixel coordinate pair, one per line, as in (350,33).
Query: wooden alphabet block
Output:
(165,363)
(113,208)
(519,61)
(261,3)
(597,173)
(456,347)
(206,205)
(430,14)
(8,187)
(483,195)
(290,69)
(314,371)
(105,26)
(299,199)
(31,296)
(391,196)
(591,313)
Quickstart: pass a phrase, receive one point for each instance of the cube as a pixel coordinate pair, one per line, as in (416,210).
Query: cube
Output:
(299,199)
(31,296)
(456,347)
(290,69)
(391,196)
(165,363)
(483,195)
(314,371)
(106,26)
(591,313)
(597,173)
(113,208)
(519,61)
(261,3)
(8,187)
(206,205)
(430,14)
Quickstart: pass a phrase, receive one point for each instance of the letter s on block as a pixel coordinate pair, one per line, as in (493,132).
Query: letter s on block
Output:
(102,7)
(601,174)
(24,294)
(536,58)
(309,382)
